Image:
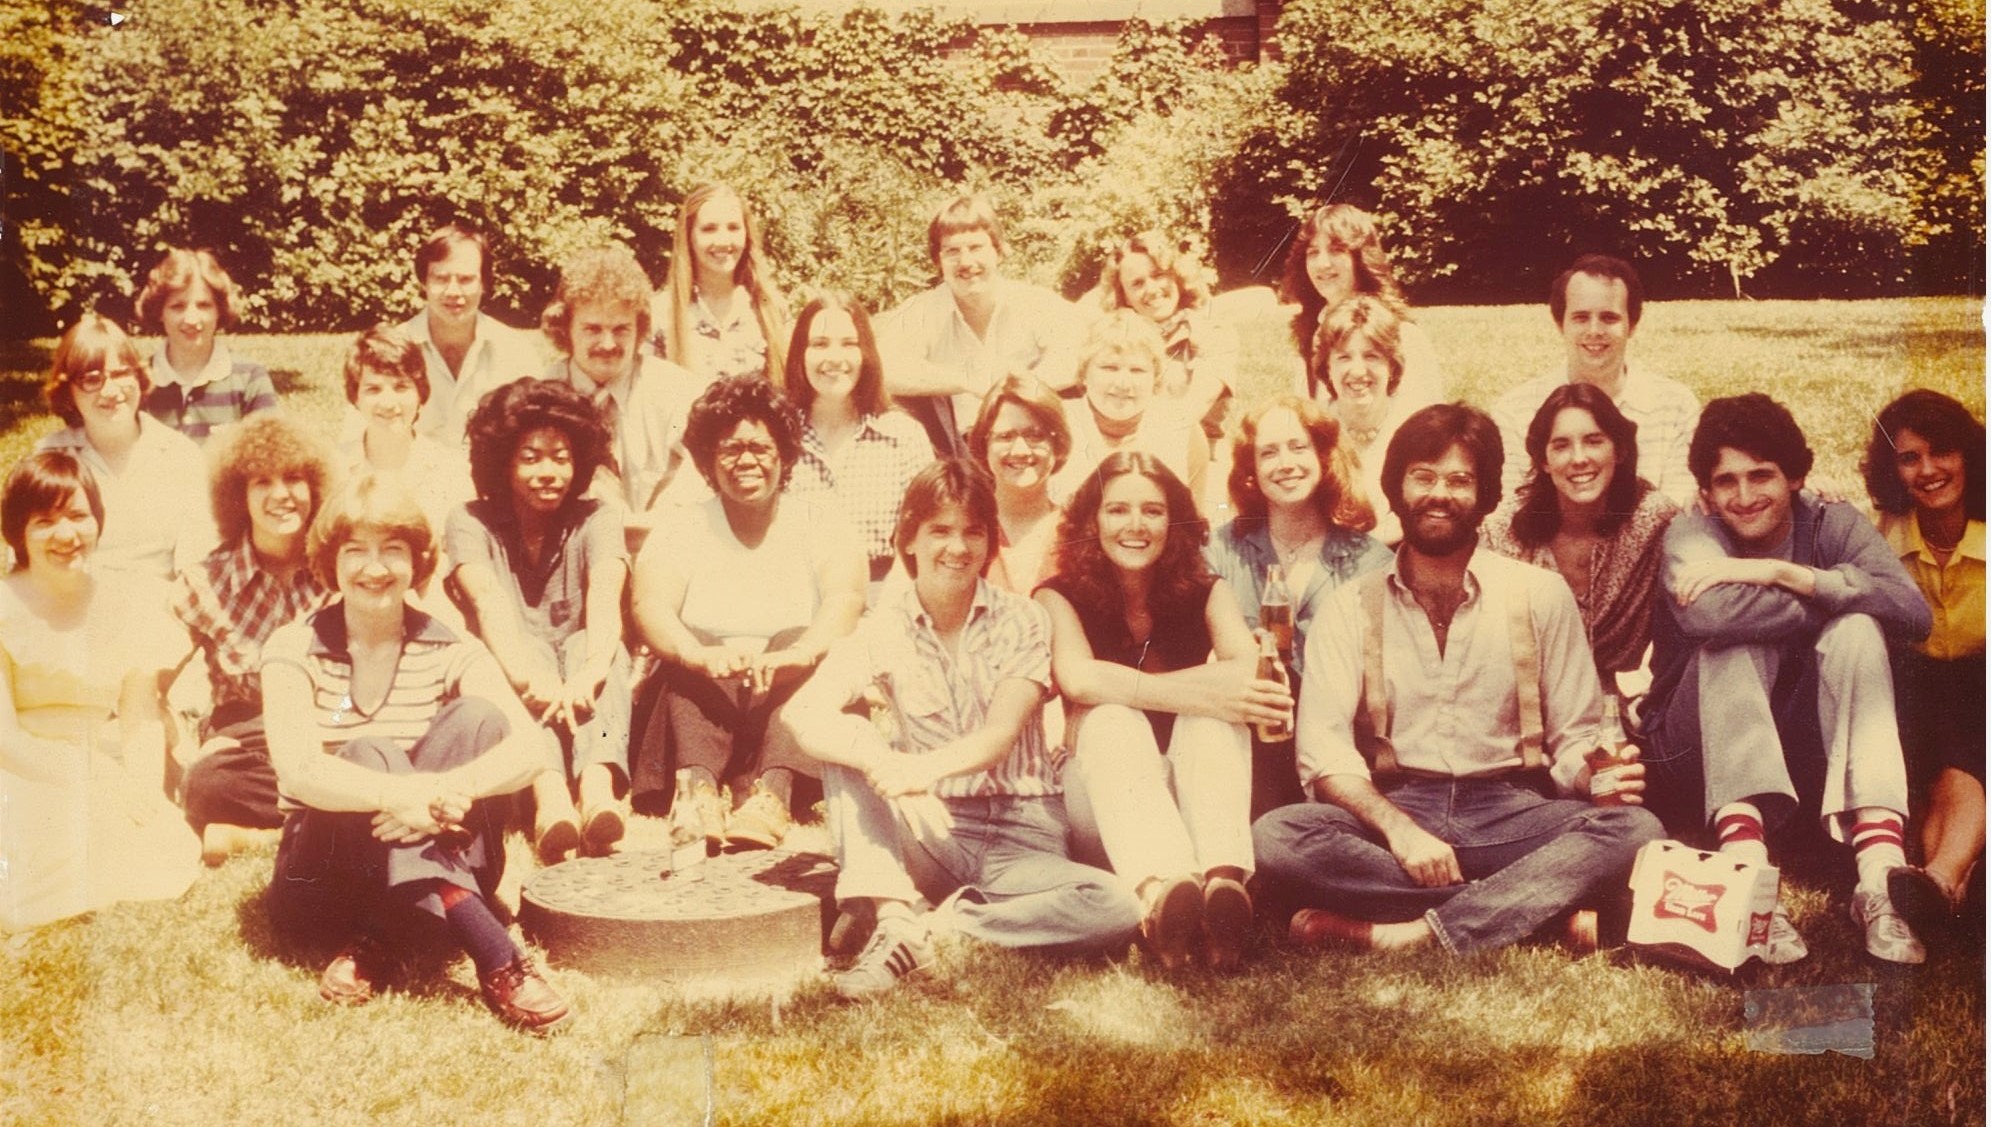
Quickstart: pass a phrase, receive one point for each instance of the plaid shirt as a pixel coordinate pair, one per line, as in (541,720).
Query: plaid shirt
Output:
(231,606)
(866,479)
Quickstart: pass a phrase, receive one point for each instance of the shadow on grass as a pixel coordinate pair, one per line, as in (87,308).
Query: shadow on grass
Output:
(422,950)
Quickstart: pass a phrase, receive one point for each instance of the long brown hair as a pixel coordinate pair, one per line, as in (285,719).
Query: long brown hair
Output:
(1083,563)
(1338,496)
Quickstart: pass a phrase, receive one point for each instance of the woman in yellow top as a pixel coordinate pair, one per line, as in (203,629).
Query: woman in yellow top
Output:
(1925,470)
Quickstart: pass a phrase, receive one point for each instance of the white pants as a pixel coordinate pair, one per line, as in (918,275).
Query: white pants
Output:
(1154,813)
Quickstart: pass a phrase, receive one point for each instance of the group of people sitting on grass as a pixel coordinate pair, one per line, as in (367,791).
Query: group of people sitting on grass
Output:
(1045,704)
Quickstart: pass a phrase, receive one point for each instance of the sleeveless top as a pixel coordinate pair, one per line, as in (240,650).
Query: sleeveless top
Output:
(1179,639)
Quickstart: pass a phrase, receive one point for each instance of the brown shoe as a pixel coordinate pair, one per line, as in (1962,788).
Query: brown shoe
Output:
(1317,929)
(1580,933)
(601,829)
(1226,923)
(552,842)
(349,978)
(1173,921)
(522,999)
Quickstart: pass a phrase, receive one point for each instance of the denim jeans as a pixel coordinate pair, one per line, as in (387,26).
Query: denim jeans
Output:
(1526,859)
(1002,869)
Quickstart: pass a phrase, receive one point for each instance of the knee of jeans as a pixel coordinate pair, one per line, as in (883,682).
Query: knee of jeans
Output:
(375,753)
(1632,824)
(1107,904)
(478,715)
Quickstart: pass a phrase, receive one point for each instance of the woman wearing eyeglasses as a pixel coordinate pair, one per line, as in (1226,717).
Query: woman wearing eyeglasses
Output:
(1020,435)
(740,596)
(152,477)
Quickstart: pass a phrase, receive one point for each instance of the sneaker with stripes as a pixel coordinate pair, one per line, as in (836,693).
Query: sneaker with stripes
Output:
(899,948)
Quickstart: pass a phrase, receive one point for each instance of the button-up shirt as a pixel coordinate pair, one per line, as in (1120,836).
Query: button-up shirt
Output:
(1032,329)
(1242,560)
(1455,713)
(156,514)
(1665,411)
(231,605)
(646,413)
(867,477)
(1955,590)
(498,355)
(939,696)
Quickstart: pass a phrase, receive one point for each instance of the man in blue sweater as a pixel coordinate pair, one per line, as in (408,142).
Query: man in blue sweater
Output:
(1771,689)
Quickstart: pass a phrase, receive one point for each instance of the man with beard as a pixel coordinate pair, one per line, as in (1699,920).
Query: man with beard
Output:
(1449,704)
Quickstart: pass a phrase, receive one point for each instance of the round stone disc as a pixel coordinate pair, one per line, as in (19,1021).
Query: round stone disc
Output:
(752,916)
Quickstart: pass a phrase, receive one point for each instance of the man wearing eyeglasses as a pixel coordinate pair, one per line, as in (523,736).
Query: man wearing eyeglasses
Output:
(599,316)
(1449,706)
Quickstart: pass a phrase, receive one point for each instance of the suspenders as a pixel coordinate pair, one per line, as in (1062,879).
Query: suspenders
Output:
(1372,721)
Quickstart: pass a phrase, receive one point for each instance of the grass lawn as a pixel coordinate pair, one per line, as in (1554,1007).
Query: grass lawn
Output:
(186,1013)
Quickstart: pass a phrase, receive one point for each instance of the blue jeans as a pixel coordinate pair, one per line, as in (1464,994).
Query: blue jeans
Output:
(1526,859)
(1003,865)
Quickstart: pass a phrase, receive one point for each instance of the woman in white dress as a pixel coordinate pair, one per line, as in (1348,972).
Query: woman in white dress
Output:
(84,817)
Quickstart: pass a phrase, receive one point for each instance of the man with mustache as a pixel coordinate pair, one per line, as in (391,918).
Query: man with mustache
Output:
(1449,705)
(1596,305)
(1771,692)
(946,346)
(599,316)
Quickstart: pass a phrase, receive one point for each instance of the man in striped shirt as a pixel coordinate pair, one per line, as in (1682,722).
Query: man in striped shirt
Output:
(963,804)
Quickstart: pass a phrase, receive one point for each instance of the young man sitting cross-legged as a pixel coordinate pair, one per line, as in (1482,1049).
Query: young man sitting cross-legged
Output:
(966,809)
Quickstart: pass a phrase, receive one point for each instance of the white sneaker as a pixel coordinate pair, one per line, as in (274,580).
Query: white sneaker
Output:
(1784,945)
(1888,936)
(899,948)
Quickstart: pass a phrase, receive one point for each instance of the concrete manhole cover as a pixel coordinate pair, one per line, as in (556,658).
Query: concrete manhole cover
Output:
(739,916)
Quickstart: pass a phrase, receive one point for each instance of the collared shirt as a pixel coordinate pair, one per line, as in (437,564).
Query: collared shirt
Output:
(1032,329)
(156,514)
(1665,411)
(498,355)
(428,675)
(551,601)
(867,478)
(1242,560)
(1955,591)
(730,346)
(646,413)
(225,391)
(231,605)
(1455,713)
(938,696)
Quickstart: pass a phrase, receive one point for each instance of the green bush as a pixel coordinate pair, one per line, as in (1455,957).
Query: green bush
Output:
(312,142)
(1717,141)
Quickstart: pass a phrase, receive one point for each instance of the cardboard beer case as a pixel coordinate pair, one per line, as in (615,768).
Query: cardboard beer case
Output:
(1703,909)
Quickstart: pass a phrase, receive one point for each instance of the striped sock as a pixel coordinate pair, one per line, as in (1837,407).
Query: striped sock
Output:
(1876,838)
(1739,825)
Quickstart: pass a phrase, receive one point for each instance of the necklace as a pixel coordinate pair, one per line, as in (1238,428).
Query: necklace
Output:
(1288,552)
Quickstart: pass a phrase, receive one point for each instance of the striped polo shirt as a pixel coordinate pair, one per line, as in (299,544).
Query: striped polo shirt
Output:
(225,392)
(434,659)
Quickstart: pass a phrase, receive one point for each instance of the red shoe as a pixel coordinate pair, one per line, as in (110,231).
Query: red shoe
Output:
(522,999)
(1317,929)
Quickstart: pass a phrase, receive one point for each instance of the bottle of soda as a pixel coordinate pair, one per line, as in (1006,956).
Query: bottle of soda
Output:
(1275,611)
(1270,668)
(1609,751)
